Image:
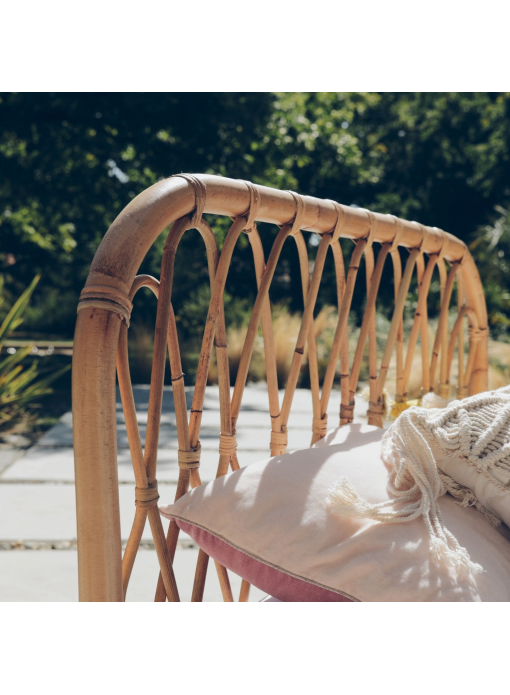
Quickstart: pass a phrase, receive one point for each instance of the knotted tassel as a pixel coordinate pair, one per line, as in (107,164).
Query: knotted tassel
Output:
(343,500)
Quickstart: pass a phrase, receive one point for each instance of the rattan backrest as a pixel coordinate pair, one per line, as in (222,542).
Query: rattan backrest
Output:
(101,346)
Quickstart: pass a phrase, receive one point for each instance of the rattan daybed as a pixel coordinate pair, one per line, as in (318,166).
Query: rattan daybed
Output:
(101,347)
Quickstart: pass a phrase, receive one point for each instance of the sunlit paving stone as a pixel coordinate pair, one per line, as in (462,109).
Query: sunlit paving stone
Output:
(37,496)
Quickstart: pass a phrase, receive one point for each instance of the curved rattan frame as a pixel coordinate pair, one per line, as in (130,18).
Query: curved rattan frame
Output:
(100,347)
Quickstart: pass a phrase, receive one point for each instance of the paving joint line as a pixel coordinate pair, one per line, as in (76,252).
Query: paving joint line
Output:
(22,545)
(24,481)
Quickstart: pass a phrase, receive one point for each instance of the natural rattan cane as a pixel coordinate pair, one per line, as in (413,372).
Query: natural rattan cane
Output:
(101,348)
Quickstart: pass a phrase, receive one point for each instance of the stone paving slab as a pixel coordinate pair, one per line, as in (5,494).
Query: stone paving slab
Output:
(211,418)
(48,511)
(255,395)
(52,458)
(253,415)
(37,496)
(8,457)
(51,575)
(249,416)
(45,464)
(248,436)
(42,464)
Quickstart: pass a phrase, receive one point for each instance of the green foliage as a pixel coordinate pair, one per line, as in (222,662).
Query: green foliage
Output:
(411,153)
(442,158)
(491,248)
(71,162)
(20,385)
(14,315)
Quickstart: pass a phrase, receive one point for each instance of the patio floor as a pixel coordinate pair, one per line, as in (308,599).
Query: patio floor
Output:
(37,498)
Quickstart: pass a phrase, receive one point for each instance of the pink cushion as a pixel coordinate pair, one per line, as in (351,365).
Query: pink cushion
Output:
(269,523)
(273,581)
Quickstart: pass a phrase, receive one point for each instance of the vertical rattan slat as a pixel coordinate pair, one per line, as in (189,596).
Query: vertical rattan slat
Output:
(396,321)
(367,326)
(242,372)
(146,493)
(397,279)
(344,343)
(190,451)
(417,327)
(461,392)
(306,332)
(440,342)
(267,332)
(372,333)
(346,409)
(310,338)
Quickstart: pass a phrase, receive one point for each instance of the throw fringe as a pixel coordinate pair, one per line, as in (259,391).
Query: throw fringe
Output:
(475,428)
(414,478)
(466,498)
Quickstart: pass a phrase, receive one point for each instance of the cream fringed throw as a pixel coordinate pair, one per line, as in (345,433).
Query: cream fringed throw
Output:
(476,429)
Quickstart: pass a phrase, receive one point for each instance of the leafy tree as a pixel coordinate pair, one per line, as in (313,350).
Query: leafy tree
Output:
(491,247)
(71,162)
(442,158)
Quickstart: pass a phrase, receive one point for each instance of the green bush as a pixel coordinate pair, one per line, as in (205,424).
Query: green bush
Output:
(19,384)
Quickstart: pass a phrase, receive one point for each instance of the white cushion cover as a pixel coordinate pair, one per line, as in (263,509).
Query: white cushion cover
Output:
(275,511)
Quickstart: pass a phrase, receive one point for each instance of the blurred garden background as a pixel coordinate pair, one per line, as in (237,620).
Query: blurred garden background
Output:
(69,163)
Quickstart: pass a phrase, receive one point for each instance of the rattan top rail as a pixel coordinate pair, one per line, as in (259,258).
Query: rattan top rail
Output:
(139,224)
